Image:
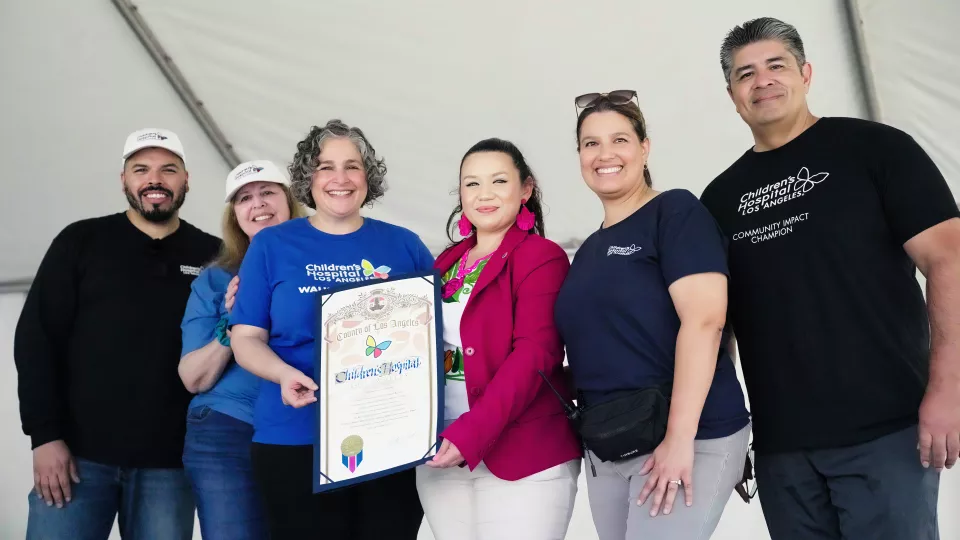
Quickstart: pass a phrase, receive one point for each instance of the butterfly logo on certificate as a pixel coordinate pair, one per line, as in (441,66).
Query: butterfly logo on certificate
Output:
(376,349)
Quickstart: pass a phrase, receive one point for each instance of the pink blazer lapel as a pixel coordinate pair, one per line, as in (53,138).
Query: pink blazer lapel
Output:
(446,259)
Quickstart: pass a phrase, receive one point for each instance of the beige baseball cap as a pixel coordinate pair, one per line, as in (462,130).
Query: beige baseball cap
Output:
(260,170)
(152,138)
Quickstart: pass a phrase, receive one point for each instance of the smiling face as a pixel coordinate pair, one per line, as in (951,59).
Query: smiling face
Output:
(259,205)
(767,85)
(339,185)
(155,183)
(612,156)
(491,190)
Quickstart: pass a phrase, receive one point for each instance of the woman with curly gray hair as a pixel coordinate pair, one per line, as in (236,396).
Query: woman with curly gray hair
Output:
(336,171)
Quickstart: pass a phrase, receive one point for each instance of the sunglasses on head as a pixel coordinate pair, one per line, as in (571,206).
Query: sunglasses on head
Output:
(616,97)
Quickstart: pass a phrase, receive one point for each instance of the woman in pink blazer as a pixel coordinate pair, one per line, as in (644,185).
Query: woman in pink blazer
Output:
(509,460)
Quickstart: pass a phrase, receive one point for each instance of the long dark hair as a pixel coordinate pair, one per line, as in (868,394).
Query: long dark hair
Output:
(631,112)
(510,149)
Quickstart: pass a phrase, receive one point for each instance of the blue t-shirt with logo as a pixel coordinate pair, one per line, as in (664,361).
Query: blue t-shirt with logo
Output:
(617,317)
(236,391)
(282,272)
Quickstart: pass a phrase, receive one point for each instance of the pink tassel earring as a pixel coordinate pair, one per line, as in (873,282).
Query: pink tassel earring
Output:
(525,219)
(464,226)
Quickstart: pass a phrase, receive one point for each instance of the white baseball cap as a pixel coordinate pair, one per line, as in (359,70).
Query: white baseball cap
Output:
(260,170)
(152,138)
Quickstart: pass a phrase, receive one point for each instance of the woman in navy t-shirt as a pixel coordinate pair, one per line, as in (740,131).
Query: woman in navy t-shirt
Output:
(643,305)
(335,171)
(216,451)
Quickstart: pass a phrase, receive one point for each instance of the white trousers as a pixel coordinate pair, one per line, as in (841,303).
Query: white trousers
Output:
(464,505)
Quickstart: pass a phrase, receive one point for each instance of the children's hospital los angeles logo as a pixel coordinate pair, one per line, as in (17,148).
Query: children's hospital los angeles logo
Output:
(247,171)
(336,274)
(151,136)
(774,194)
(780,192)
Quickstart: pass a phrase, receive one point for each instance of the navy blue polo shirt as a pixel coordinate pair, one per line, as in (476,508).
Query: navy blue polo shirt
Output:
(617,318)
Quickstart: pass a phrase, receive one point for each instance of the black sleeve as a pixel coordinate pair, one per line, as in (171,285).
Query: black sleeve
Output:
(40,341)
(913,192)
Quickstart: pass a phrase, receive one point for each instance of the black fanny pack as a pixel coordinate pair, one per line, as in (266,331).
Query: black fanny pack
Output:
(630,425)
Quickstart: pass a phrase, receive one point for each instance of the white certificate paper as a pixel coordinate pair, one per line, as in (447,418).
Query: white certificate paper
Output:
(381,392)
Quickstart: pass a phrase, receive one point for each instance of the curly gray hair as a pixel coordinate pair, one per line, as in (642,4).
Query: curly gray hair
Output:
(307,159)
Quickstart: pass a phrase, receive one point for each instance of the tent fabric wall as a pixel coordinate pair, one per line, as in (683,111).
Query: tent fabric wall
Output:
(16,460)
(76,82)
(911,54)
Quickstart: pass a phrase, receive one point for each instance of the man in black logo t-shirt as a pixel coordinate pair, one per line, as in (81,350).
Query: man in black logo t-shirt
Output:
(97,347)
(828,220)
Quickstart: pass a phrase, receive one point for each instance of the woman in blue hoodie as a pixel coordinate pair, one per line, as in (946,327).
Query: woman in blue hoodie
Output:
(216,453)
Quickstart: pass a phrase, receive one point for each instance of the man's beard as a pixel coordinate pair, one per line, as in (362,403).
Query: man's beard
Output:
(152,212)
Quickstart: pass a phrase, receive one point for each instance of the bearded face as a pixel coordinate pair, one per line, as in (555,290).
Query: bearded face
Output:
(155,184)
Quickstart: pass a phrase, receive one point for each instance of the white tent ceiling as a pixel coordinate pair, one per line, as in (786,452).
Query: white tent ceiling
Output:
(74,82)
(425,80)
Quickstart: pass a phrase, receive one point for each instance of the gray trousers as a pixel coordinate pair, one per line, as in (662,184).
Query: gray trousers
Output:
(717,469)
(873,491)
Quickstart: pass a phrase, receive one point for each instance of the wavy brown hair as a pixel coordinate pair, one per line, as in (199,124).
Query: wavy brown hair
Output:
(235,241)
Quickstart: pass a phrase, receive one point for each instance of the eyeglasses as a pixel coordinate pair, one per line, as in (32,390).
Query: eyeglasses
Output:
(616,97)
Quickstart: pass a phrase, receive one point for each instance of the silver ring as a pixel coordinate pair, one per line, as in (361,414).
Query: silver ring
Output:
(677,482)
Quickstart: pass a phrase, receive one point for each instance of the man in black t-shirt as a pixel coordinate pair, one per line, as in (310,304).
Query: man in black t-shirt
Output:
(97,348)
(828,220)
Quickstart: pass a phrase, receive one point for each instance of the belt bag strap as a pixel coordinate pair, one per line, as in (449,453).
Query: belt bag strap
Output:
(630,425)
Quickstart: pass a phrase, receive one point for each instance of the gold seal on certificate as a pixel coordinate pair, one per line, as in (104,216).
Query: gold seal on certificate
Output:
(352,450)
(380,376)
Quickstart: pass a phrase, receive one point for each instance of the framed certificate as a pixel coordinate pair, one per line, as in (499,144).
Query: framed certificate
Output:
(378,366)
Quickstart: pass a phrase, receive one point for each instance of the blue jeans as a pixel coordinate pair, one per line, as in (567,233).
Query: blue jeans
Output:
(216,456)
(151,503)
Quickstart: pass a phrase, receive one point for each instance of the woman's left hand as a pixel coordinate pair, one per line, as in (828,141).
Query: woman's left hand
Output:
(447,456)
(671,461)
(231,295)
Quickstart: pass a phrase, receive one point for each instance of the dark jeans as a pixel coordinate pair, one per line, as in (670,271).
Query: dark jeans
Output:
(387,507)
(151,503)
(877,490)
(216,456)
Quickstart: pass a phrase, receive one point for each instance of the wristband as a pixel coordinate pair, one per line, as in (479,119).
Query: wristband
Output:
(221,333)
